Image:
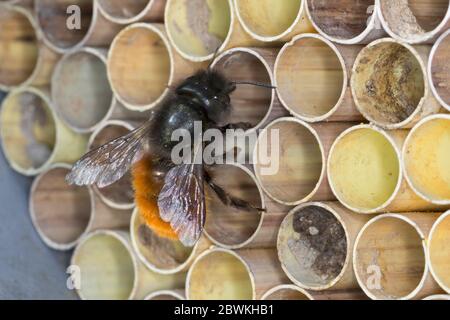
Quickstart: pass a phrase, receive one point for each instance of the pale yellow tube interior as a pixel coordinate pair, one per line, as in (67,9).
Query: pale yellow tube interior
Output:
(62,212)
(198,27)
(139,66)
(390,258)
(53,18)
(18,48)
(123,9)
(291,169)
(81,90)
(28,130)
(107,271)
(440,69)
(427,159)
(364,169)
(268,18)
(287,294)
(440,251)
(220,276)
(388,82)
(310,77)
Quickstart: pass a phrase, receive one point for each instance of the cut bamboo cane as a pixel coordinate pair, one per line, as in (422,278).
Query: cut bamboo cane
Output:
(345,22)
(110,270)
(365,172)
(272,20)
(315,245)
(439,251)
(68,26)
(142,66)
(166,295)
(63,214)
(226,226)
(198,29)
(426,158)
(251,104)
(126,12)
(287,292)
(312,76)
(222,274)
(389,257)
(290,160)
(438,297)
(439,70)
(161,255)
(32,136)
(414,21)
(119,195)
(390,84)
(25,61)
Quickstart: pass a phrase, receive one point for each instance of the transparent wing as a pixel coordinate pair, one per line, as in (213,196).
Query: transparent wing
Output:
(108,163)
(181,202)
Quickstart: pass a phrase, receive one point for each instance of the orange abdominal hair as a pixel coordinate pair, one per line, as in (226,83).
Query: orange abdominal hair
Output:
(146,189)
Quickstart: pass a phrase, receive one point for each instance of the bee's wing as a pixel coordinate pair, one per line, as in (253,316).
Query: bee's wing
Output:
(109,162)
(181,202)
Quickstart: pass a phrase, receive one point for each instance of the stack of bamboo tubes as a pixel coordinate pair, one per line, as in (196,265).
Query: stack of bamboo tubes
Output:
(358,207)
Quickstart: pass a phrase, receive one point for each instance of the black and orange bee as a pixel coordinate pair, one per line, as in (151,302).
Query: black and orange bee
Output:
(170,197)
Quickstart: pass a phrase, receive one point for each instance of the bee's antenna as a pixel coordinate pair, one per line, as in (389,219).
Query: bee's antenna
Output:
(257,84)
(216,53)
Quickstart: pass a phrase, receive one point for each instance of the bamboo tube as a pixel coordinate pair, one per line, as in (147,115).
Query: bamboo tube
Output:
(63,214)
(365,172)
(345,22)
(315,244)
(312,76)
(126,12)
(390,84)
(252,104)
(199,28)
(426,157)
(142,66)
(414,21)
(389,257)
(25,61)
(438,70)
(291,169)
(110,270)
(271,20)
(228,227)
(166,295)
(32,136)
(439,251)
(70,25)
(119,195)
(161,255)
(438,297)
(222,274)
(287,292)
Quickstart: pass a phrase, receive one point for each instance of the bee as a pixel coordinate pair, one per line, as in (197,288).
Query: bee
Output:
(170,197)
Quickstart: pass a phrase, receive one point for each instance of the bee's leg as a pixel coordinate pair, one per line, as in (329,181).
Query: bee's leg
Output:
(229,200)
(236,126)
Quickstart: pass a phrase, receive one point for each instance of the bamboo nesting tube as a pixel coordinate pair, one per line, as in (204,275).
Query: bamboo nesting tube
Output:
(414,21)
(390,84)
(389,257)
(315,245)
(312,76)
(58,21)
(365,172)
(346,22)
(63,214)
(290,160)
(287,292)
(110,270)
(426,157)
(25,61)
(222,274)
(439,251)
(32,136)
(118,195)
(166,295)
(439,70)
(161,255)
(272,20)
(442,297)
(125,12)
(142,66)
